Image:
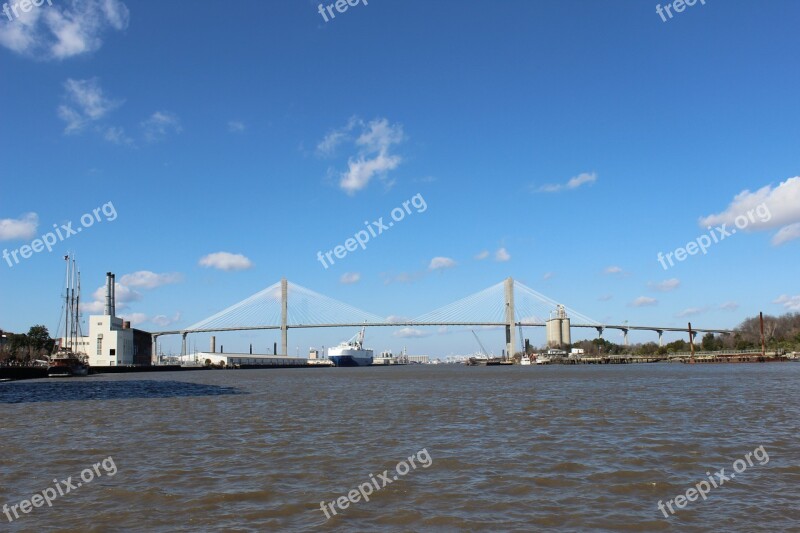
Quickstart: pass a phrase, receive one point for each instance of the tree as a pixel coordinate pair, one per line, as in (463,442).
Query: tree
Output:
(709,343)
(39,338)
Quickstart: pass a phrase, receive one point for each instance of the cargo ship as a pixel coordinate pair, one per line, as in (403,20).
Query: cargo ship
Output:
(351,352)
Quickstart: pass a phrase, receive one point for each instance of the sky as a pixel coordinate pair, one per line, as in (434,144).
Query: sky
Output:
(212,151)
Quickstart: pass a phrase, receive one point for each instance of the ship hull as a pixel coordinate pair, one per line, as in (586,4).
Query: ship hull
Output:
(67,371)
(350,360)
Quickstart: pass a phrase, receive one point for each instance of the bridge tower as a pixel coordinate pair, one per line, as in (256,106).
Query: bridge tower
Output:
(510,320)
(284,308)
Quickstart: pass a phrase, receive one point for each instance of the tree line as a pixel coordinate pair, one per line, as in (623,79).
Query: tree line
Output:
(26,347)
(781,333)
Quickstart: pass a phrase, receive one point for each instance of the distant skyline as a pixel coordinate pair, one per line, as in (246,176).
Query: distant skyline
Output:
(591,150)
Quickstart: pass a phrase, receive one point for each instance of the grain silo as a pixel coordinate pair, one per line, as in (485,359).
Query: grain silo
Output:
(558,329)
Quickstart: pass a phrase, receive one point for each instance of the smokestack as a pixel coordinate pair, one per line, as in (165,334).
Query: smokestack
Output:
(113,295)
(213,344)
(107,311)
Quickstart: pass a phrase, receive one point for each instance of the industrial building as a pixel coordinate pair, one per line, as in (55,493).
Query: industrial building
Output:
(558,329)
(248,359)
(111,340)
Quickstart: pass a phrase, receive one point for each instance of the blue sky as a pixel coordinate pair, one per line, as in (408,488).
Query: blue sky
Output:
(573,141)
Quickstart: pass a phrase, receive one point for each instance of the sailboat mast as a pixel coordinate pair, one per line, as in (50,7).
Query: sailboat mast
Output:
(78,332)
(66,306)
(72,339)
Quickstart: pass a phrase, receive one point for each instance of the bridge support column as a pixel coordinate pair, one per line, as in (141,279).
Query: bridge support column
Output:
(625,333)
(154,354)
(183,343)
(660,337)
(510,321)
(284,314)
(599,332)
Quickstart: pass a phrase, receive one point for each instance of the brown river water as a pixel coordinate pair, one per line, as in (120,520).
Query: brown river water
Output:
(591,448)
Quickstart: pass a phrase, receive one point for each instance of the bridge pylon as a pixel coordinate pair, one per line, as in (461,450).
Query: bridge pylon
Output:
(510,318)
(284,317)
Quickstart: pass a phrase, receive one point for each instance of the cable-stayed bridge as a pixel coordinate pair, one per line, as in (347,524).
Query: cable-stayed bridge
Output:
(285,305)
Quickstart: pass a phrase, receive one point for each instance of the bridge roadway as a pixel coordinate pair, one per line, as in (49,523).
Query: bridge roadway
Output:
(599,327)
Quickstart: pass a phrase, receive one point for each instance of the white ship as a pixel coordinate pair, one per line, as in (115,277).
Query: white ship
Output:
(352,352)
(387,358)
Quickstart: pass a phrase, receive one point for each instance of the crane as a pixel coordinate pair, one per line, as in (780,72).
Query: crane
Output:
(483,350)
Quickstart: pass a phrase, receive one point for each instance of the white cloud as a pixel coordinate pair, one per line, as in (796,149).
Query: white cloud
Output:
(61,30)
(236,126)
(348,278)
(410,333)
(729,306)
(150,280)
(613,270)
(548,275)
(666,285)
(328,145)
(117,136)
(786,234)
(19,228)
(502,255)
(87,104)
(373,144)
(160,124)
(605,297)
(573,183)
(124,295)
(164,321)
(135,318)
(691,311)
(791,303)
(483,255)
(438,263)
(768,208)
(226,261)
(644,301)
(361,171)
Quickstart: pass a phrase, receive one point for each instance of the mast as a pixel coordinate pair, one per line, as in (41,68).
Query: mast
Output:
(66,305)
(78,332)
(72,331)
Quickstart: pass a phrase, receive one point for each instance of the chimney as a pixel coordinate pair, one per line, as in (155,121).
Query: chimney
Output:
(113,295)
(107,311)
(213,344)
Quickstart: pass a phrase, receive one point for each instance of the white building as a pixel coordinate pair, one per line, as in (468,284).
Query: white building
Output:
(111,341)
(248,359)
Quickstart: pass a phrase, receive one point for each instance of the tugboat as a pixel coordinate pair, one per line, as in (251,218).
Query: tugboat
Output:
(67,362)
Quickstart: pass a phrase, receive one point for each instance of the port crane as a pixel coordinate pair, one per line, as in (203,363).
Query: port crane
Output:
(483,350)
